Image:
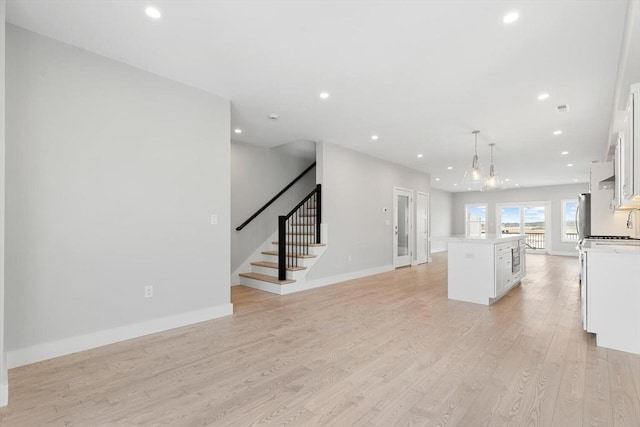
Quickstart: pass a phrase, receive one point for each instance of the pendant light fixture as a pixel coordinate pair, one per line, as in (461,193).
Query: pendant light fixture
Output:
(473,176)
(492,182)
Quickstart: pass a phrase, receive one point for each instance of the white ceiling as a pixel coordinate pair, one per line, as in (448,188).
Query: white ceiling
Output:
(420,74)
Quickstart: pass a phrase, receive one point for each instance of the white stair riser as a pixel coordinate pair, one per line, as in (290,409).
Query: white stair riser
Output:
(302,262)
(313,250)
(303,228)
(306,219)
(263,286)
(291,275)
(301,238)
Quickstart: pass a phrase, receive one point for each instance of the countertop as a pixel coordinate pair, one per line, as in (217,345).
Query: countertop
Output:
(490,239)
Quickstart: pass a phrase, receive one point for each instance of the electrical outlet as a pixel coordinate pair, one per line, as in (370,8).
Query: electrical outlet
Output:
(148,291)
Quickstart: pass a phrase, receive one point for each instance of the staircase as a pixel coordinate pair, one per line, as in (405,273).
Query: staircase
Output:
(285,262)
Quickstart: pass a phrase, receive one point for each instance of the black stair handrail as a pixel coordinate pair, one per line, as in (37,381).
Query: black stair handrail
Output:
(274,198)
(290,224)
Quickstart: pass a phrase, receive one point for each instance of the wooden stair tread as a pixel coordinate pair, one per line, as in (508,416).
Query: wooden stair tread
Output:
(275,265)
(289,254)
(275,242)
(265,278)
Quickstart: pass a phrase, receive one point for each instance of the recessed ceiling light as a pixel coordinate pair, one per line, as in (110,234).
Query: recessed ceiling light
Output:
(449,167)
(273,117)
(564,153)
(507,179)
(557,132)
(455,185)
(237,130)
(437,179)
(324,95)
(517,185)
(153,13)
(543,96)
(469,188)
(374,137)
(419,156)
(575,180)
(569,165)
(510,17)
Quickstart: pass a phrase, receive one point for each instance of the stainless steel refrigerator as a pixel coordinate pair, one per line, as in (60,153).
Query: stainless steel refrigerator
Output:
(583,216)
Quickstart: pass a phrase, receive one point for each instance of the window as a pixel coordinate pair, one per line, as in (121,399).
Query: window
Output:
(528,218)
(476,223)
(569,230)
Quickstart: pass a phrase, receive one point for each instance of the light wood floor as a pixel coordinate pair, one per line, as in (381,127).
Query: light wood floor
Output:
(386,350)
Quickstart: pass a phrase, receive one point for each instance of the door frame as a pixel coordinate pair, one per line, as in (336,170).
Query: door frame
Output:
(394,240)
(428,227)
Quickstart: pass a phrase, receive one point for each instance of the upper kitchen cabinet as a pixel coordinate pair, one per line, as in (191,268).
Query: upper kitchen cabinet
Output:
(627,156)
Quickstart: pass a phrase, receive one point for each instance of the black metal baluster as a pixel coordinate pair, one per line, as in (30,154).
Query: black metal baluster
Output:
(282,237)
(318,211)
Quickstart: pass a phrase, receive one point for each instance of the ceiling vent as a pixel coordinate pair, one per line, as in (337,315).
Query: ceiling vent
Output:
(273,117)
(562,108)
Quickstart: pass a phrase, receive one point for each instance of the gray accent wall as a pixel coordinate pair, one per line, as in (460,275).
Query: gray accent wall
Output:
(355,189)
(113,175)
(258,174)
(553,194)
(441,213)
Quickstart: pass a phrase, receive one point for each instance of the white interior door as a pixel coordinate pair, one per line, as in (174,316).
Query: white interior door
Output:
(422,228)
(402,207)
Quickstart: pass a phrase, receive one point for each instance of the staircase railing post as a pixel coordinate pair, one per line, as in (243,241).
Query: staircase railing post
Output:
(282,247)
(318,211)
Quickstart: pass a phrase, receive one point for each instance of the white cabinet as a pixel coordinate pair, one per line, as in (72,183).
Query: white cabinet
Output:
(604,222)
(627,156)
(523,260)
(481,270)
(503,265)
(611,295)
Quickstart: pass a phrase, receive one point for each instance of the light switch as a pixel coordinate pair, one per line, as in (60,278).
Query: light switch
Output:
(214,219)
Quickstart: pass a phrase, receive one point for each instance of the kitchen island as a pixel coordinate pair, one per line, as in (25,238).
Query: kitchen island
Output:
(483,269)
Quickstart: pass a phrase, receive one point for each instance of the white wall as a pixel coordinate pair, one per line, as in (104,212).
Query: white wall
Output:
(258,174)
(553,194)
(4,385)
(441,218)
(355,188)
(113,174)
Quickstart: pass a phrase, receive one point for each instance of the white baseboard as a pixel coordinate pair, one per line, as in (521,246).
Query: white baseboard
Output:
(39,352)
(332,280)
(4,395)
(4,380)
